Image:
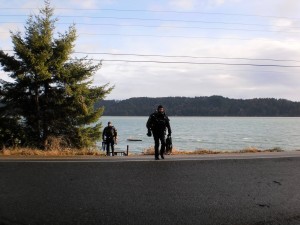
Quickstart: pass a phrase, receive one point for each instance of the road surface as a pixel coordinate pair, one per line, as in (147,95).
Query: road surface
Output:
(244,189)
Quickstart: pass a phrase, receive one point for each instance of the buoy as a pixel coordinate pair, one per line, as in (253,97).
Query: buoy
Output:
(133,139)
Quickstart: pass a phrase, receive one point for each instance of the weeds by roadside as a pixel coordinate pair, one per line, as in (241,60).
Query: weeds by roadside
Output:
(62,152)
(150,151)
(96,152)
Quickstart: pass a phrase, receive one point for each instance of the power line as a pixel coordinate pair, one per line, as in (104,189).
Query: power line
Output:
(184,27)
(162,11)
(176,27)
(288,72)
(208,69)
(167,36)
(153,19)
(175,36)
(164,36)
(185,56)
(161,36)
(182,56)
(197,63)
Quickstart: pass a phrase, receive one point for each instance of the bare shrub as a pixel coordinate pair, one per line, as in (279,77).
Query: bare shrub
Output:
(56,143)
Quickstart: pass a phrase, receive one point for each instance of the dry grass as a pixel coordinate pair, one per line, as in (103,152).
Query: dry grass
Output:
(255,150)
(55,146)
(60,151)
(38,152)
(150,151)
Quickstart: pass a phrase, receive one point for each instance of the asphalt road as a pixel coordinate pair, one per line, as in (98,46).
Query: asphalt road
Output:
(124,190)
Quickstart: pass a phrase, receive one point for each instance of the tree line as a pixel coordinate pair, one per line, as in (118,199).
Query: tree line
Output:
(202,106)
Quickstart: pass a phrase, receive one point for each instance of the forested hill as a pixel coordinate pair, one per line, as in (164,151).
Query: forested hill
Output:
(202,106)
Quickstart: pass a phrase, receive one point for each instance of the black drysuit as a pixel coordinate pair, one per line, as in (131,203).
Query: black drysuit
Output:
(157,124)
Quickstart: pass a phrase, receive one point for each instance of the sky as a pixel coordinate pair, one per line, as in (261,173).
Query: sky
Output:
(160,48)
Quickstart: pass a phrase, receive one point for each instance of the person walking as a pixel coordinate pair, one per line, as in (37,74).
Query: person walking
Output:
(157,124)
(109,136)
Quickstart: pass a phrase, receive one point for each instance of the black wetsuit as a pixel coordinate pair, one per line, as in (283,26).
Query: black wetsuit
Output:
(109,135)
(158,123)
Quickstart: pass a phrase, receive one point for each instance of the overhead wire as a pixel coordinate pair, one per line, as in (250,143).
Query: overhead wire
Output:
(175,36)
(185,56)
(152,19)
(152,11)
(180,56)
(166,36)
(199,63)
(168,20)
(176,27)
(158,11)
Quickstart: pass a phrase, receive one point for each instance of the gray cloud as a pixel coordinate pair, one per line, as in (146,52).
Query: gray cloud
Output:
(231,39)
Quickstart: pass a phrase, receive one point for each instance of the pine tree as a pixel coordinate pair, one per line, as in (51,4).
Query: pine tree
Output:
(51,94)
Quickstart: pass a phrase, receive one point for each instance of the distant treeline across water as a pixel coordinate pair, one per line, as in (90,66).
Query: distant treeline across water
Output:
(202,106)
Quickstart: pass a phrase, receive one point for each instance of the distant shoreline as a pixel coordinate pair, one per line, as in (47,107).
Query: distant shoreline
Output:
(216,106)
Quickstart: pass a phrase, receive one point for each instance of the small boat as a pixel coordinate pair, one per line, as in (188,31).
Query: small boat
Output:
(133,139)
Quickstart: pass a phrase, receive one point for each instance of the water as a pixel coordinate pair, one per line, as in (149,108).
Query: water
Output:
(213,133)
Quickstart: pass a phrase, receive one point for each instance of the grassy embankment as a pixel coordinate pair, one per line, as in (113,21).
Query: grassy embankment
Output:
(150,151)
(51,152)
(97,152)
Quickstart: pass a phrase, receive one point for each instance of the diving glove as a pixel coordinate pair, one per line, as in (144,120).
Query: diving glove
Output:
(149,133)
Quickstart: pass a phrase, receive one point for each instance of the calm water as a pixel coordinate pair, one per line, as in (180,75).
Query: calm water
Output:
(213,133)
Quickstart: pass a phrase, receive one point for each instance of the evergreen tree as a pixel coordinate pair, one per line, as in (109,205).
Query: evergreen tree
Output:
(51,94)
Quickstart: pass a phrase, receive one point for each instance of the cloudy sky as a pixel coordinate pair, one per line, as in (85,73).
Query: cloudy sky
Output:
(159,48)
